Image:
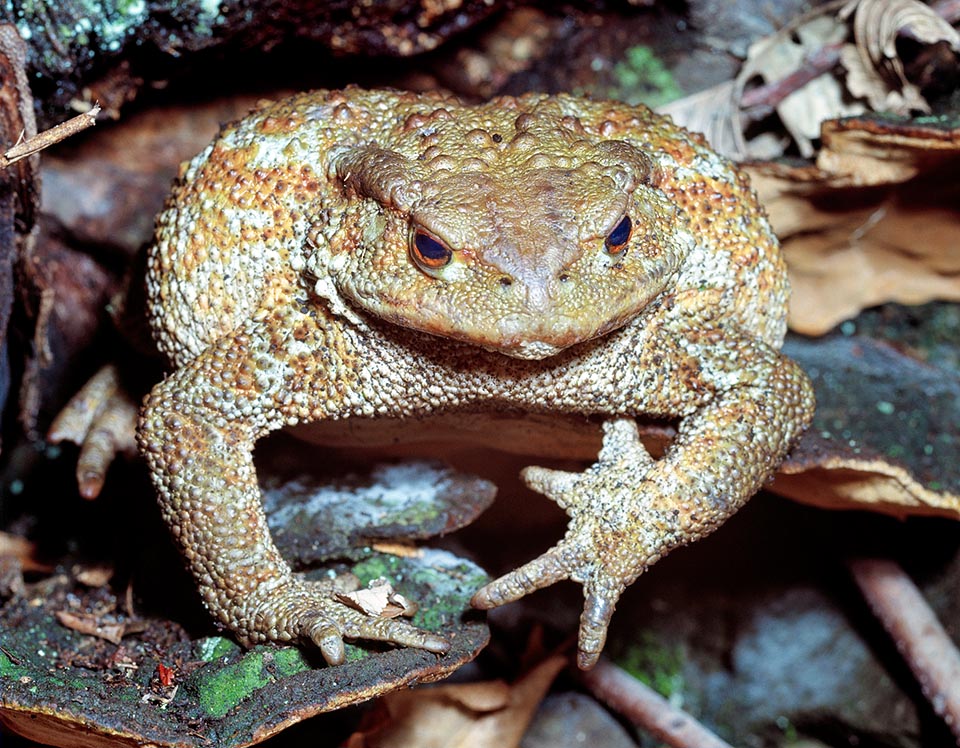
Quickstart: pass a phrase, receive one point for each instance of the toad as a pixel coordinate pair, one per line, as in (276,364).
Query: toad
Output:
(376,259)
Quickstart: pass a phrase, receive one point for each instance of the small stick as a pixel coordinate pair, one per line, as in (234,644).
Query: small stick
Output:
(919,636)
(820,61)
(47,138)
(646,708)
(11,656)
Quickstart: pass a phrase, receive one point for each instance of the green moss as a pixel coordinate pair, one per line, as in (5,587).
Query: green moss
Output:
(8,669)
(790,734)
(376,566)
(655,663)
(131,7)
(220,688)
(641,78)
(417,514)
(289,661)
(225,689)
(214,647)
(448,587)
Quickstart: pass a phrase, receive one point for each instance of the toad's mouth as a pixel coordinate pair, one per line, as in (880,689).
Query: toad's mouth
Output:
(535,337)
(529,337)
(529,350)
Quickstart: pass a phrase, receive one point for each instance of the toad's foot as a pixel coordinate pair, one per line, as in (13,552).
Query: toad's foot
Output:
(615,533)
(101,419)
(300,610)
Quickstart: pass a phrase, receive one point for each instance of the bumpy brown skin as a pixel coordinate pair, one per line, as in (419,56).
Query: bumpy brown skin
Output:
(283,286)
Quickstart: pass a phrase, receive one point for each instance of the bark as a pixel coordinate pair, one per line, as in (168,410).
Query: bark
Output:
(19,187)
(86,51)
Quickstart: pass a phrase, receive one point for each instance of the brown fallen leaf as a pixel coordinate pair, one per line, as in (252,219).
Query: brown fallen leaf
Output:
(11,578)
(92,625)
(713,112)
(472,715)
(21,549)
(93,575)
(797,72)
(397,548)
(875,220)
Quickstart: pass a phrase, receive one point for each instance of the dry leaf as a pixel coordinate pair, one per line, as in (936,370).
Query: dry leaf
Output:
(87,623)
(776,56)
(11,578)
(874,69)
(472,715)
(379,600)
(712,112)
(841,482)
(885,435)
(94,575)
(18,547)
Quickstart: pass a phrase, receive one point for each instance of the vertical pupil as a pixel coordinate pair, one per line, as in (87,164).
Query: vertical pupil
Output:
(430,248)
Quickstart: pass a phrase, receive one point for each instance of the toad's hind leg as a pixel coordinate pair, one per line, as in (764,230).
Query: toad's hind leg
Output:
(197,432)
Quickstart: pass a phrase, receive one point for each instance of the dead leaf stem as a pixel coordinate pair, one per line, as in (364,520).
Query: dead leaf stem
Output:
(646,708)
(49,137)
(919,636)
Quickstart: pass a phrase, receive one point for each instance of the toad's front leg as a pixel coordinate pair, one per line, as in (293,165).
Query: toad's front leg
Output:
(197,433)
(628,510)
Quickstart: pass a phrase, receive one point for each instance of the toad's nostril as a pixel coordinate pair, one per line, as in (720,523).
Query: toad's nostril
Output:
(505,281)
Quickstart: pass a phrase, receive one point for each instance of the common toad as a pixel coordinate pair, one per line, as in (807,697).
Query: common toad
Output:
(393,257)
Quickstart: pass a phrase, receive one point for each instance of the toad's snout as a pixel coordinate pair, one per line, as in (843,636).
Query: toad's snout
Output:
(533,335)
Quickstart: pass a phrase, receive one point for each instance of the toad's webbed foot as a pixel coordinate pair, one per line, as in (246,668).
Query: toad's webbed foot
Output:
(613,536)
(307,611)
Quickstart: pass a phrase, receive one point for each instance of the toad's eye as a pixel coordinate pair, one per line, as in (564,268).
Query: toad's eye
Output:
(617,239)
(429,252)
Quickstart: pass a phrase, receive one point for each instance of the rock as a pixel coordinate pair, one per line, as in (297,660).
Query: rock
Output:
(573,720)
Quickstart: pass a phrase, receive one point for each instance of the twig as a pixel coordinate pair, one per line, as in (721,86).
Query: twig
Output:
(11,656)
(821,61)
(646,708)
(47,138)
(914,627)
